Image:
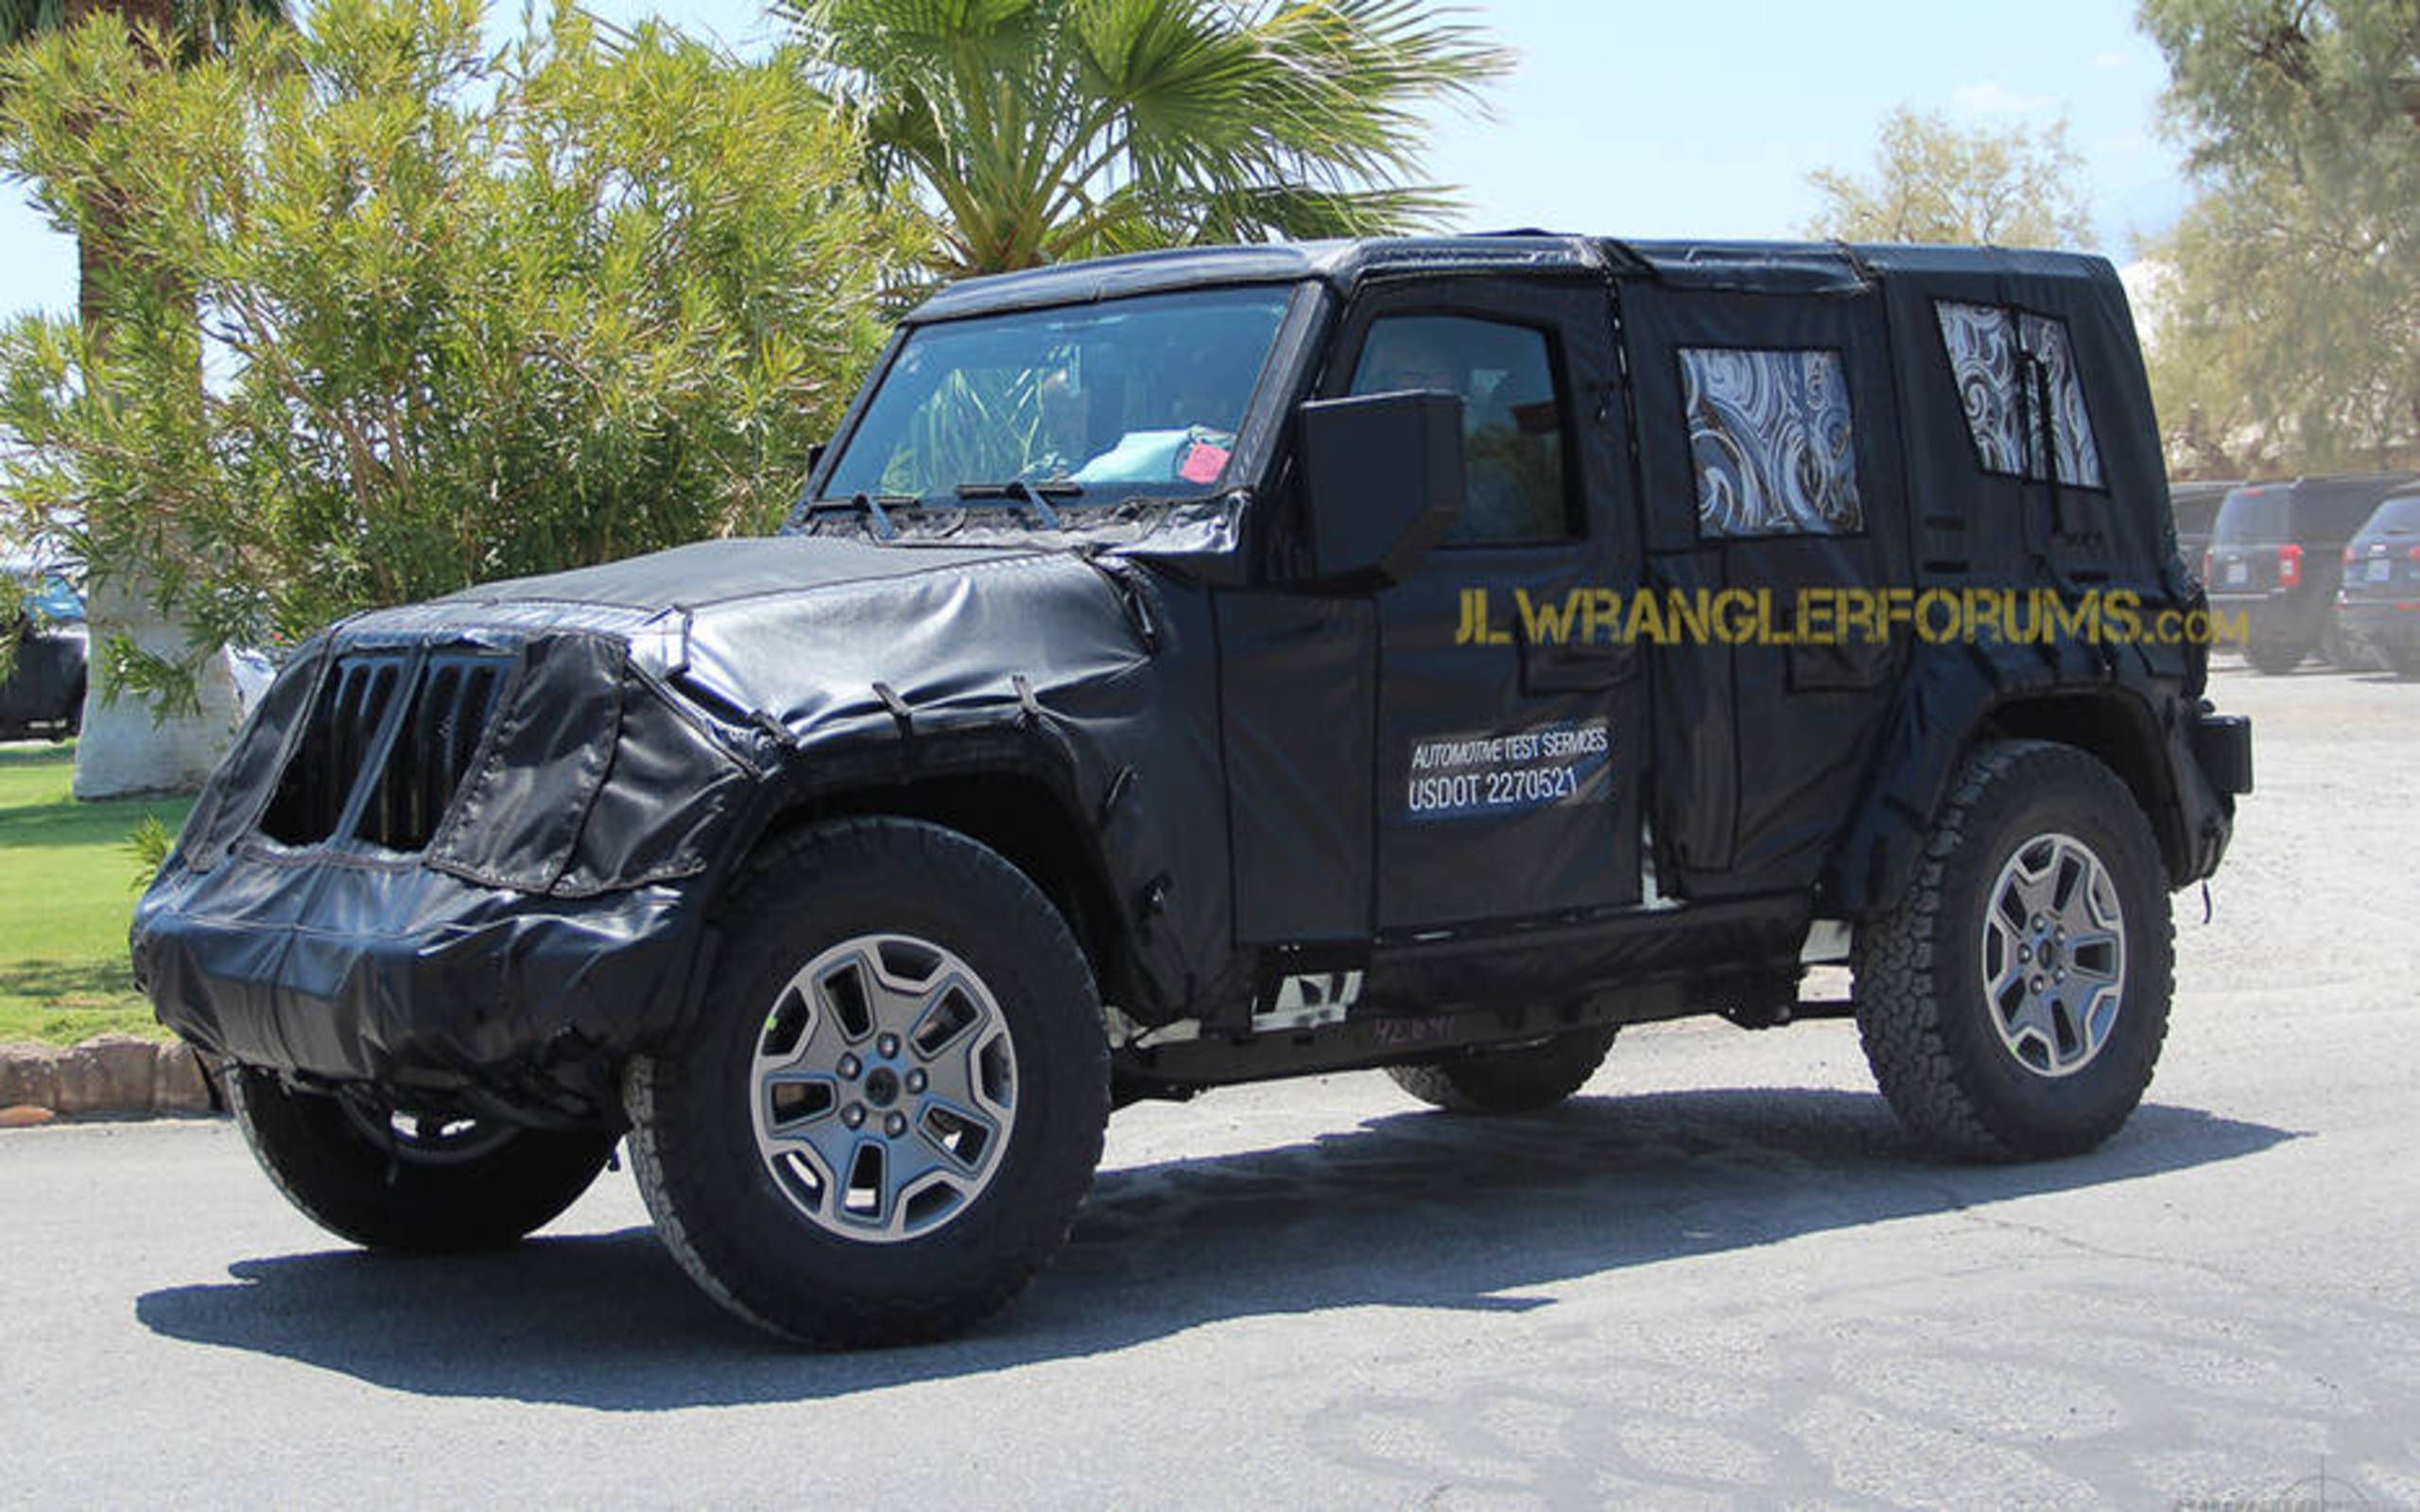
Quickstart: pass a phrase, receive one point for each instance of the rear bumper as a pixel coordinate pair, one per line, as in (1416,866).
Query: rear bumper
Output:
(2222,749)
(410,978)
(2281,616)
(2387,625)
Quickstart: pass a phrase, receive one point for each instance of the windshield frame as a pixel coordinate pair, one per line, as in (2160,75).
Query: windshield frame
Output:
(1282,374)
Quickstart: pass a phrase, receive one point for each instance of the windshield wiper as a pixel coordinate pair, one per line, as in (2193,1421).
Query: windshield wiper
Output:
(873,507)
(1019,491)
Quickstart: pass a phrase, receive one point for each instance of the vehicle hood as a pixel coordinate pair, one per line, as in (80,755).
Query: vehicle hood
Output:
(713,573)
(799,631)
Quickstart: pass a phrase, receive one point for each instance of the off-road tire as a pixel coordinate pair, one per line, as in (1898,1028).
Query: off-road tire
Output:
(1927,1025)
(2272,658)
(2337,651)
(1518,1079)
(719,1208)
(387,1194)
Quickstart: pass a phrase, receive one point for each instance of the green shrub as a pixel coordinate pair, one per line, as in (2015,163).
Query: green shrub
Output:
(397,313)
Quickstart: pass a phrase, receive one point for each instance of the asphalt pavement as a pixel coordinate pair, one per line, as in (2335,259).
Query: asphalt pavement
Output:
(1720,1276)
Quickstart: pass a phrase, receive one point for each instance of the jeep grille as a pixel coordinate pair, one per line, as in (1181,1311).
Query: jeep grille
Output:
(388,742)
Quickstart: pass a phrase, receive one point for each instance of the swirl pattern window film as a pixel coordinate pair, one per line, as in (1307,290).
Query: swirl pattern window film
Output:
(1990,352)
(1770,440)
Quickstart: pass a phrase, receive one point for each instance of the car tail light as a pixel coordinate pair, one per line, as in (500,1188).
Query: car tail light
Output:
(2209,563)
(2414,554)
(2289,566)
(2351,554)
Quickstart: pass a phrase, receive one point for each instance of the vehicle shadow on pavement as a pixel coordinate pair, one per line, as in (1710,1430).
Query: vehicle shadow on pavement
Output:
(1415,1210)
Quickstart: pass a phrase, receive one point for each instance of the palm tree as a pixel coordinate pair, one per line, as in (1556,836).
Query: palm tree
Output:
(1043,129)
(124,747)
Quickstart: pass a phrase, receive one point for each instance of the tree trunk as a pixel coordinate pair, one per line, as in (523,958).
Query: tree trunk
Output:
(126,749)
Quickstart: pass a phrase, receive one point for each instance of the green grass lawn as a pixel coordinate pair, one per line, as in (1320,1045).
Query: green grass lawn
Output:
(66,892)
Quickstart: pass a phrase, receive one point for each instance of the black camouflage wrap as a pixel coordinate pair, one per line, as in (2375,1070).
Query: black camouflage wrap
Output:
(1203,754)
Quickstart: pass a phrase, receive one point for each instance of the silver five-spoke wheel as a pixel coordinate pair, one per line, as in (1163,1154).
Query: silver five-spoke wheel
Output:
(884,1088)
(2013,998)
(2054,954)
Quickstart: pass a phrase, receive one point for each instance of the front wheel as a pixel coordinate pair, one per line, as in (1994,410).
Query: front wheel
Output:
(2012,1002)
(389,1178)
(885,1119)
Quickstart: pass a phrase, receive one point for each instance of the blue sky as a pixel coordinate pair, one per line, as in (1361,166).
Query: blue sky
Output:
(1669,119)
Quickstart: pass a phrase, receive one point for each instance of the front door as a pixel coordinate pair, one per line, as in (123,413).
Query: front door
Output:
(1510,735)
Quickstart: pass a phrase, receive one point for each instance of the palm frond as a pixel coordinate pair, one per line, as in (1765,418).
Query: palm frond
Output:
(1036,129)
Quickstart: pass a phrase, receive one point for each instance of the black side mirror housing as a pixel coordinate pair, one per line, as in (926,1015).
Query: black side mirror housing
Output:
(1383,481)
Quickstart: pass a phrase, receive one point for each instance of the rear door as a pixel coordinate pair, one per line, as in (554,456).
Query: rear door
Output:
(2253,525)
(1768,431)
(2383,562)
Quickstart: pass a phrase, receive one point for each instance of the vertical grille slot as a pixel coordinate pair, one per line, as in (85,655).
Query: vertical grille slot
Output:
(444,712)
(326,764)
(433,747)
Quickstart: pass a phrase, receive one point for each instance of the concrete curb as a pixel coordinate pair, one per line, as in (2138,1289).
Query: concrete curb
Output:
(113,1075)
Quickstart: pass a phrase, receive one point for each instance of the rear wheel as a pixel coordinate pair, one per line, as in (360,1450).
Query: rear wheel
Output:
(2404,661)
(885,1120)
(2014,1001)
(1513,1079)
(2273,658)
(395,1179)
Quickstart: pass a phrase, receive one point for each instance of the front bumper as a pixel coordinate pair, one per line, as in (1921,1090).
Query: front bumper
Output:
(507,944)
(412,979)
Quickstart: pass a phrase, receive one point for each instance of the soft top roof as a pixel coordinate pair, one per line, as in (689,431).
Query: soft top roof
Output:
(1774,268)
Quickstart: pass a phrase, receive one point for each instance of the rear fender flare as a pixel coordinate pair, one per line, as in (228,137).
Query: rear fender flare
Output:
(2147,742)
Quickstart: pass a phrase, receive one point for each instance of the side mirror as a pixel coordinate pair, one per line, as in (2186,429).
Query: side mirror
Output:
(1383,481)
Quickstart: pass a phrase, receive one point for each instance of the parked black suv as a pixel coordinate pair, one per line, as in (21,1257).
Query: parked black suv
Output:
(2379,607)
(2276,559)
(1216,665)
(42,693)
(2195,508)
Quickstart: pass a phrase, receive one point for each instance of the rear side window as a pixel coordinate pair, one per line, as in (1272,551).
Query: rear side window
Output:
(2003,361)
(2396,517)
(1512,416)
(1770,441)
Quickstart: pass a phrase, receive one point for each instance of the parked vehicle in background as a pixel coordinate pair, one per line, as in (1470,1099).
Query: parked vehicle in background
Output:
(43,694)
(2379,606)
(2194,507)
(2277,558)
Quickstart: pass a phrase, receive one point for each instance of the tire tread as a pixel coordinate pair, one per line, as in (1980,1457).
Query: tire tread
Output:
(1899,992)
(707,1243)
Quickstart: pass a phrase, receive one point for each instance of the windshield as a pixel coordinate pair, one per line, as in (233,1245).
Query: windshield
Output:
(1090,404)
(49,596)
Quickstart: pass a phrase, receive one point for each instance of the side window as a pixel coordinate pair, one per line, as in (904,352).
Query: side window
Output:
(1995,354)
(1770,440)
(1511,418)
